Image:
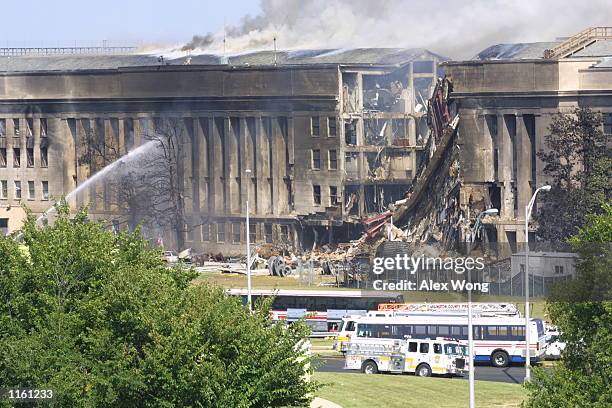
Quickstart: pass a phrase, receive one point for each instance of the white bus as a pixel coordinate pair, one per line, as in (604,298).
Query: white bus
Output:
(322,310)
(497,340)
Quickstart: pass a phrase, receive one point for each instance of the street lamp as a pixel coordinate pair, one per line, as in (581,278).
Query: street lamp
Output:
(248,243)
(528,209)
(473,232)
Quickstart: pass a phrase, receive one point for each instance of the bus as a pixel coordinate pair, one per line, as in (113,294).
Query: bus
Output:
(322,310)
(497,340)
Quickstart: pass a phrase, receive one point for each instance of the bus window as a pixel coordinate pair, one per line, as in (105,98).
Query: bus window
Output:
(363,330)
(419,330)
(443,330)
(424,348)
(350,326)
(412,347)
(432,331)
(437,348)
(403,330)
(332,327)
(517,333)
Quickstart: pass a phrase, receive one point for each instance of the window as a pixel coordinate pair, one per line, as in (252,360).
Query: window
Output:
(333,195)
(30,157)
(206,233)
(412,347)
(333,160)
(432,330)
(31,190)
(331,126)
(252,232)
(236,232)
(424,348)
(3,189)
(316,194)
(3,157)
(517,333)
(2,127)
(559,270)
(220,232)
(420,330)
(43,127)
(4,226)
(443,330)
(29,127)
(437,348)
(316,159)
(45,187)
(314,126)
(16,127)
(44,158)
(268,233)
(607,123)
(18,190)
(284,233)
(16,157)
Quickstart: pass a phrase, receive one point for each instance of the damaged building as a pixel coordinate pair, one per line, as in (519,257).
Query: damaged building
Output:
(506,97)
(330,137)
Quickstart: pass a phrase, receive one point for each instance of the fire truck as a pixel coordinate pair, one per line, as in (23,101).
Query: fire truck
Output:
(423,357)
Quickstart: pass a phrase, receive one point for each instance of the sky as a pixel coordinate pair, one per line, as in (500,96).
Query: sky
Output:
(453,28)
(50,23)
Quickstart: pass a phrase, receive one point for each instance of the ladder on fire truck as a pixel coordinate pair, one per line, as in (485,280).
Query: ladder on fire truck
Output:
(579,42)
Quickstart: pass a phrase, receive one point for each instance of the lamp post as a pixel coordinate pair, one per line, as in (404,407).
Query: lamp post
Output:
(248,243)
(528,209)
(473,232)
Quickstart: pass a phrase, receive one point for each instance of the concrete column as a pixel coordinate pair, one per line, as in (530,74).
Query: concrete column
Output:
(138,131)
(245,180)
(121,136)
(203,144)
(505,172)
(263,168)
(216,164)
(187,166)
(523,185)
(232,165)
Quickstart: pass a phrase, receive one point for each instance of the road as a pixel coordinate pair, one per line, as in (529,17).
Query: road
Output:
(513,374)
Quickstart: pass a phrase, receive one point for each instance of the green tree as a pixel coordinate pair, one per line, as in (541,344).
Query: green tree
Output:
(100,320)
(578,162)
(582,309)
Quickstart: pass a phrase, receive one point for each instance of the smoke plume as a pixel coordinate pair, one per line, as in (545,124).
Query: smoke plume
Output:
(458,29)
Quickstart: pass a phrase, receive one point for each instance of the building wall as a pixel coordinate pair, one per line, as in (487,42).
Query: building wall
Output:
(505,111)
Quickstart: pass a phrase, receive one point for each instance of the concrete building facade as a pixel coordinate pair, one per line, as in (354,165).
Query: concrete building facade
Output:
(329,136)
(507,97)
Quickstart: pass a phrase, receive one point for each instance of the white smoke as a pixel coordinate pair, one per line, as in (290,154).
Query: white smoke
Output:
(458,29)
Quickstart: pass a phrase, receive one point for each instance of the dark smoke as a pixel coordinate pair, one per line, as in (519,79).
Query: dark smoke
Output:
(458,29)
(199,41)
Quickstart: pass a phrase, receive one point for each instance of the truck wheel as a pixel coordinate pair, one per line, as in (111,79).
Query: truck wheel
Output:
(369,367)
(500,359)
(424,370)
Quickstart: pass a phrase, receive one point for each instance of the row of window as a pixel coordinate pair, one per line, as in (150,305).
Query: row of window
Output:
(17,162)
(29,127)
(17,190)
(334,198)
(399,331)
(218,232)
(315,126)
(332,159)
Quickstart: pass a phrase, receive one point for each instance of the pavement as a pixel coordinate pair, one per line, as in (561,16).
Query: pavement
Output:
(513,374)
(323,403)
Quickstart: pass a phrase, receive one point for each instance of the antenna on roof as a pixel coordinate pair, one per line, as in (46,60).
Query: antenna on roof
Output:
(274,50)
(224,38)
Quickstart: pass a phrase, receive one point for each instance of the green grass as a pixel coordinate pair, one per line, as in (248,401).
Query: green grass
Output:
(354,390)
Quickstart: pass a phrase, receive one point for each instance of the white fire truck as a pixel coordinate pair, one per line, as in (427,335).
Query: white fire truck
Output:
(423,357)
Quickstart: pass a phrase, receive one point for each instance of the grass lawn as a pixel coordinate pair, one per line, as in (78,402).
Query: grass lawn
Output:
(354,390)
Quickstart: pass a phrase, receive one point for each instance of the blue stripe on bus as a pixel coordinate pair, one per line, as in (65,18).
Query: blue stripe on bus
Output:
(513,359)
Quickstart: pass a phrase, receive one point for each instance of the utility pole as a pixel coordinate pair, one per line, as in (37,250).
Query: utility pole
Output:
(528,209)
(248,244)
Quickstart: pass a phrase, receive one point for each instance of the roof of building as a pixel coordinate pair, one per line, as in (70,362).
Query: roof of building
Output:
(600,48)
(355,56)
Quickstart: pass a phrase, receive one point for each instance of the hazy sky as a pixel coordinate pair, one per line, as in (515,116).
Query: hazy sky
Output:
(62,22)
(454,28)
